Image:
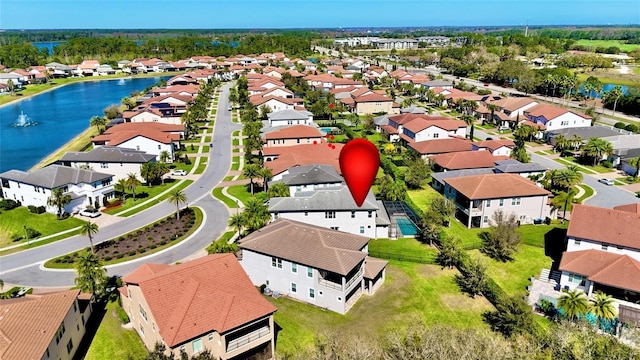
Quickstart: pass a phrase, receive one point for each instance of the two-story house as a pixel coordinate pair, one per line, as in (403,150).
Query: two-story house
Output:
(281,158)
(501,147)
(119,162)
(86,188)
(326,268)
(554,117)
(430,148)
(419,129)
(393,126)
(464,160)
(290,117)
(203,304)
(309,178)
(331,208)
(478,197)
(292,135)
(152,138)
(603,251)
(45,326)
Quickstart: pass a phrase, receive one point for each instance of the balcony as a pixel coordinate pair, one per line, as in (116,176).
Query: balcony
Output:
(257,334)
(337,286)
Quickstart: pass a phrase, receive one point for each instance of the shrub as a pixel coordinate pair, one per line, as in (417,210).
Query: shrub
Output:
(8,204)
(483,92)
(163,242)
(32,233)
(121,238)
(122,315)
(619,125)
(16,237)
(119,256)
(107,258)
(132,252)
(607,164)
(149,237)
(32,209)
(40,210)
(632,128)
(141,250)
(152,246)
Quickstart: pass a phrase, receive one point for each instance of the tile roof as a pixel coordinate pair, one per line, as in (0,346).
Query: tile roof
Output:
(310,174)
(495,144)
(632,208)
(609,226)
(163,133)
(440,176)
(373,267)
(551,112)
(534,125)
(465,160)
(294,132)
(28,324)
(258,100)
(309,245)
(405,118)
(324,199)
(372,98)
(492,186)
(389,129)
(505,166)
(303,154)
(513,103)
(617,270)
(54,176)
(109,154)
(196,297)
(418,124)
(439,146)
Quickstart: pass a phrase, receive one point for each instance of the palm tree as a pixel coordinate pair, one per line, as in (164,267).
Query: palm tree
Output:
(278,190)
(251,171)
(122,185)
(561,143)
(470,121)
(573,303)
(177,196)
(567,178)
(615,93)
(635,162)
(575,142)
(548,81)
(493,108)
(562,200)
(237,221)
(89,229)
(256,214)
(92,277)
(132,183)
(59,199)
(587,88)
(164,156)
(99,122)
(597,148)
(602,307)
(266,174)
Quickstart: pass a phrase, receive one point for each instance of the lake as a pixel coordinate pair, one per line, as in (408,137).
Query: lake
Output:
(605,88)
(49,45)
(60,115)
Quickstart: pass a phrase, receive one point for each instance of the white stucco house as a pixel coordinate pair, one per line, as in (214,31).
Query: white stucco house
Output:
(322,267)
(309,178)
(117,161)
(86,188)
(420,129)
(290,117)
(151,138)
(554,118)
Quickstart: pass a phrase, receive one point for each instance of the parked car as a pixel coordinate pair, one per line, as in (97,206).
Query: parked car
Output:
(229,108)
(607,181)
(178,172)
(90,213)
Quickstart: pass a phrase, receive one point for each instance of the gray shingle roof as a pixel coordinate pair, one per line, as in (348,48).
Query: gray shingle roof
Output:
(381,120)
(311,174)
(330,199)
(437,83)
(520,168)
(441,176)
(289,115)
(109,154)
(309,245)
(382,217)
(585,132)
(55,176)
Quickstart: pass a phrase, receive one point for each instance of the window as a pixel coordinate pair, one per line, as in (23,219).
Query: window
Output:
(143,313)
(361,229)
(370,214)
(312,293)
(294,287)
(564,123)
(485,219)
(576,242)
(329,214)
(294,267)
(309,272)
(211,337)
(353,214)
(306,213)
(436,135)
(137,147)
(59,333)
(501,202)
(489,203)
(605,247)
(75,307)
(69,346)
(575,278)
(333,227)
(197,346)
(276,262)
(104,165)
(515,201)
(141,329)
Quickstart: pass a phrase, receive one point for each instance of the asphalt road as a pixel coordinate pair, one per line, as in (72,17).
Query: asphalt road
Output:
(605,196)
(25,267)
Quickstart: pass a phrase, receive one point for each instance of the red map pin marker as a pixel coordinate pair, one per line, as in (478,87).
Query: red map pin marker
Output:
(359,162)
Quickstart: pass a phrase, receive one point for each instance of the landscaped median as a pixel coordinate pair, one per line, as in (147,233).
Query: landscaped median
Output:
(152,195)
(147,240)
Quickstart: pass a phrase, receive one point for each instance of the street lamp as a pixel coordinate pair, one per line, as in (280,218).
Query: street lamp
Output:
(26,234)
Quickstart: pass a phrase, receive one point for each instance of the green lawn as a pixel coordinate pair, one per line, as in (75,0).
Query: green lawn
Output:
(402,246)
(217,193)
(411,292)
(588,192)
(240,192)
(608,43)
(183,166)
(150,191)
(12,222)
(236,142)
(112,341)
(235,163)
(201,166)
(570,160)
(422,198)
(159,199)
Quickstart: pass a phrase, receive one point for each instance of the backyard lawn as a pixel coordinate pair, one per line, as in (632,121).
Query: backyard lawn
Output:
(12,222)
(240,192)
(410,292)
(112,341)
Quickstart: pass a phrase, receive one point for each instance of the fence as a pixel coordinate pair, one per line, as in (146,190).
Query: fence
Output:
(428,259)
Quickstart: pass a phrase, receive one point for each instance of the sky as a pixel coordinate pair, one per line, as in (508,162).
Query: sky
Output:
(279,14)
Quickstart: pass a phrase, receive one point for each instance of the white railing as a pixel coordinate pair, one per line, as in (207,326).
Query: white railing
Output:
(357,276)
(248,338)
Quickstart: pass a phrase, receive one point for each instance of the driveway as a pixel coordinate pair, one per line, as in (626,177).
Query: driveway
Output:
(24,268)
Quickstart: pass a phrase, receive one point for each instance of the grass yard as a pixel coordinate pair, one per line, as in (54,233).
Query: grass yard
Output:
(422,198)
(570,160)
(159,199)
(235,163)
(143,193)
(12,222)
(608,43)
(236,142)
(201,166)
(217,193)
(183,166)
(411,292)
(588,192)
(112,341)
(241,192)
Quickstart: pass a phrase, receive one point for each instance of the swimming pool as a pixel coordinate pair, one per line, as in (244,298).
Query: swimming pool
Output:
(407,227)
(326,130)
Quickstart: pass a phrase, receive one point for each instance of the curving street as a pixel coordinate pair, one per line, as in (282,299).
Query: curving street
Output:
(25,267)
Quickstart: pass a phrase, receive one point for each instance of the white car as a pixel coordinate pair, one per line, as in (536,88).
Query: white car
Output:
(607,181)
(178,172)
(90,213)
(229,108)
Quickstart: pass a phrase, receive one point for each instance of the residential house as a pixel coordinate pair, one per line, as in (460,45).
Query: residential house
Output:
(322,267)
(603,251)
(44,326)
(119,162)
(330,207)
(25,76)
(281,158)
(276,103)
(373,104)
(327,82)
(395,124)
(438,178)
(290,117)
(86,188)
(396,44)
(105,69)
(514,106)
(478,197)
(513,166)
(152,138)
(465,160)
(437,83)
(420,129)
(87,68)
(15,79)
(309,178)
(554,118)
(292,135)
(429,148)
(501,147)
(203,304)
(57,70)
